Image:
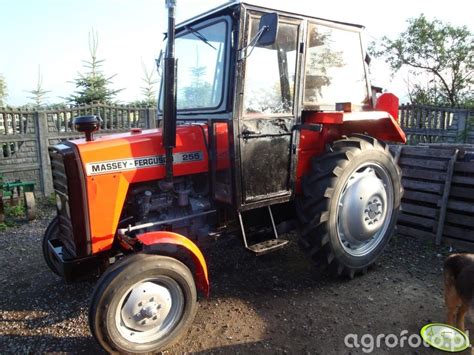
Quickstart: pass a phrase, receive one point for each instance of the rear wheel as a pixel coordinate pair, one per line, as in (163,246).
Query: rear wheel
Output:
(349,204)
(143,304)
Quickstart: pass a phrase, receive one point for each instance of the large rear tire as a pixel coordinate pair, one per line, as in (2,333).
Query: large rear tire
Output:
(143,304)
(349,204)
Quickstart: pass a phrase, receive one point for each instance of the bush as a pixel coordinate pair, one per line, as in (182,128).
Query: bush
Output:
(15,211)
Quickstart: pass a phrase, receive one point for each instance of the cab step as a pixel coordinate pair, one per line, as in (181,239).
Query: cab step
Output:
(265,246)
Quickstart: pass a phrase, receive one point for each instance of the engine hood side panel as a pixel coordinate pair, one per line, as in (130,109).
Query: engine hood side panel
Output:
(113,162)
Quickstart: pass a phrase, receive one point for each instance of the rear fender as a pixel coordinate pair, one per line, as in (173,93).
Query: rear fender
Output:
(174,244)
(381,125)
(378,124)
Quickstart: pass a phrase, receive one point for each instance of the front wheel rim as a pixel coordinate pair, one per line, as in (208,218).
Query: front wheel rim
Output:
(364,209)
(149,310)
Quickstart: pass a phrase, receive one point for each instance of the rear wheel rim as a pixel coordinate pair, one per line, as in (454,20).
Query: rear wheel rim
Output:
(364,209)
(150,309)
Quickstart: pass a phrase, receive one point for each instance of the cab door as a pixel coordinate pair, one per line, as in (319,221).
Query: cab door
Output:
(268,113)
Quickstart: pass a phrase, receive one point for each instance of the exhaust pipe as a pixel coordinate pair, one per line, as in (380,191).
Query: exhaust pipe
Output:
(169,101)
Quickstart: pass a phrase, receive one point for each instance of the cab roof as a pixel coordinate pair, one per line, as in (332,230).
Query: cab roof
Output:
(233,5)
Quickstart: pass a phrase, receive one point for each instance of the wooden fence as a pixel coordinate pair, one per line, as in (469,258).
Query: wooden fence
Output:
(438,202)
(431,124)
(25,136)
(438,178)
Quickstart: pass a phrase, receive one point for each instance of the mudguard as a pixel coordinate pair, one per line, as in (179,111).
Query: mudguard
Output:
(377,124)
(156,241)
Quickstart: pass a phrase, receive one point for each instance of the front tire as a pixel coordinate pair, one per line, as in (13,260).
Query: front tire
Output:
(349,206)
(50,234)
(143,304)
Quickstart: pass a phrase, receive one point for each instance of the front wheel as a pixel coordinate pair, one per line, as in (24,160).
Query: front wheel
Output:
(143,304)
(349,204)
(51,233)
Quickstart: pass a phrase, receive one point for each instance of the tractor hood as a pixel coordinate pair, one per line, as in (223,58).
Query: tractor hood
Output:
(112,163)
(139,155)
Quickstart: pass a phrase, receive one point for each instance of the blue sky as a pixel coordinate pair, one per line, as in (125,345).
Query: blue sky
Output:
(53,34)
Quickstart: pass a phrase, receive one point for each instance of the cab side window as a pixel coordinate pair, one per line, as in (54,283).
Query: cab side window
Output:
(335,69)
(270,72)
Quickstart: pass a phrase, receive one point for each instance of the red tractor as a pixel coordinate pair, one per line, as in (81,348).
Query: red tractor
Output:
(268,124)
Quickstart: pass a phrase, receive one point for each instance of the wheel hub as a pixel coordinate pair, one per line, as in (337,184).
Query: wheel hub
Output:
(146,307)
(150,310)
(373,211)
(363,209)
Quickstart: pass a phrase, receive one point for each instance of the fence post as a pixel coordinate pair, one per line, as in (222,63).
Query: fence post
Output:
(42,135)
(151,117)
(461,118)
(470,127)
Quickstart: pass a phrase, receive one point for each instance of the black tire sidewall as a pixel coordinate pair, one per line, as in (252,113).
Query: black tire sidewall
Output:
(112,287)
(384,159)
(49,234)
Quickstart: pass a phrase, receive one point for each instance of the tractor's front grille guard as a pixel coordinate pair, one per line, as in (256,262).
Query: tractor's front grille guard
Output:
(60,183)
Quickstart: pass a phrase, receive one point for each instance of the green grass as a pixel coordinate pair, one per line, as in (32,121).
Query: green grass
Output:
(14,211)
(51,199)
(5,225)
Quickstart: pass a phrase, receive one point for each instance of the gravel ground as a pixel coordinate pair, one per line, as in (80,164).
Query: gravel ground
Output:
(276,303)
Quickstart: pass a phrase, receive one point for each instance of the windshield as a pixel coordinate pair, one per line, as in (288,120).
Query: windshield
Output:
(201,59)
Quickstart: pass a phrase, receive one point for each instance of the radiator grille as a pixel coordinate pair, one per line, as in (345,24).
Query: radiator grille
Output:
(60,183)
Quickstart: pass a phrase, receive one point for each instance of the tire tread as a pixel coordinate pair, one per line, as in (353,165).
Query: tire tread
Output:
(318,189)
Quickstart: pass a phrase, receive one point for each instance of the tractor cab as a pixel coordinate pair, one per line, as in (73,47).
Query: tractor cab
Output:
(251,73)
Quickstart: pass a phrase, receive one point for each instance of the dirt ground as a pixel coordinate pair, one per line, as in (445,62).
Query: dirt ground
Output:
(276,303)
